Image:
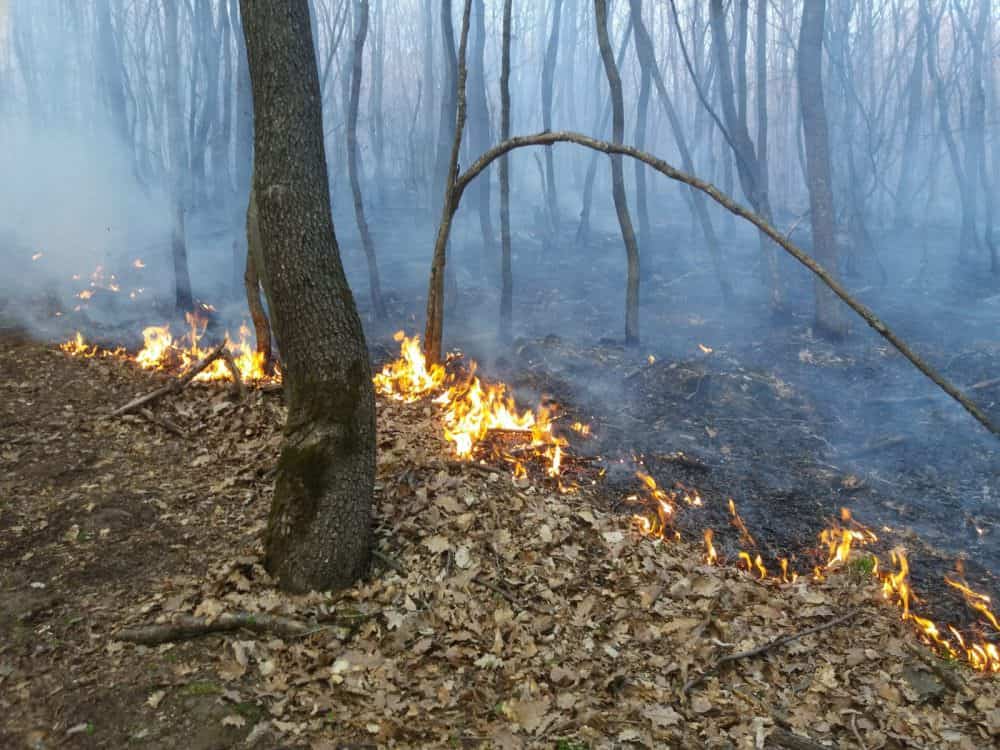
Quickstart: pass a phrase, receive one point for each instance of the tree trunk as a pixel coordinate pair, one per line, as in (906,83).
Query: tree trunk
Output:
(647,59)
(618,176)
(506,272)
(184,301)
(319,533)
(905,192)
(749,163)
(433,332)
(479,124)
(548,74)
(251,285)
(829,320)
(642,116)
(360,33)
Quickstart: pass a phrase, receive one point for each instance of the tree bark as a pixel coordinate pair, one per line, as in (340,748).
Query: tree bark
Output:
(183,299)
(252,283)
(618,176)
(435,292)
(647,59)
(506,271)
(829,320)
(479,123)
(319,533)
(357,59)
(548,75)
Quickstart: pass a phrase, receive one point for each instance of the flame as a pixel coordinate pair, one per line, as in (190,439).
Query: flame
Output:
(138,263)
(36,256)
(711,556)
(409,379)
(706,349)
(745,535)
(78,347)
(581,428)
(162,351)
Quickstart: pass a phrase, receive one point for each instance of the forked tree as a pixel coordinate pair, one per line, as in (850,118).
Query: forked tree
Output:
(319,530)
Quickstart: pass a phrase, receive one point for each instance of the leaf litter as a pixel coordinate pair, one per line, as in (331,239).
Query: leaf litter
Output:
(511,615)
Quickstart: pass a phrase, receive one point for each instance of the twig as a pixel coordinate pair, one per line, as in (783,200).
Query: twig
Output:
(982,384)
(792,741)
(389,561)
(239,389)
(857,734)
(174,386)
(187,626)
(769,646)
(947,676)
(166,424)
(507,595)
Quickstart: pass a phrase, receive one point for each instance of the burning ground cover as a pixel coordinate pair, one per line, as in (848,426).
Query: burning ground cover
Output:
(502,612)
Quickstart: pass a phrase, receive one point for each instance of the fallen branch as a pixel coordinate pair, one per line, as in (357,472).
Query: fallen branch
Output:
(769,646)
(166,424)
(187,626)
(174,386)
(549,138)
(790,741)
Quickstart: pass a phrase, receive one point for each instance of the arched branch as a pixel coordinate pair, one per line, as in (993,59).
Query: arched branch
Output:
(547,139)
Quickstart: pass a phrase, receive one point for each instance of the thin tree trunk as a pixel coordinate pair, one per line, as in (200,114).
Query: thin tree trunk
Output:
(252,283)
(829,320)
(642,115)
(184,301)
(548,74)
(647,59)
(436,288)
(357,58)
(618,176)
(905,192)
(479,124)
(319,533)
(506,272)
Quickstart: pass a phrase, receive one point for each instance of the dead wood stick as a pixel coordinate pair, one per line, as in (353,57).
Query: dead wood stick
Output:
(187,626)
(549,138)
(175,385)
(791,741)
(166,424)
(764,648)
(984,384)
(239,389)
(948,676)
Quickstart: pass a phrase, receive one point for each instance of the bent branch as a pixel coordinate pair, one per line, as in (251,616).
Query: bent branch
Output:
(547,139)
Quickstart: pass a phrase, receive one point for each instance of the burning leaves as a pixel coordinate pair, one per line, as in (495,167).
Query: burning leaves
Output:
(838,548)
(162,351)
(479,420)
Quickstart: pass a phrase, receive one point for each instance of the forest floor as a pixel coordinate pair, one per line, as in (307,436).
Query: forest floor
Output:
(510,616)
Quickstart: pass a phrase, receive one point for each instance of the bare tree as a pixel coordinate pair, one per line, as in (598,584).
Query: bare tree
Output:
(319,533)
(829,320)
(506,272)
(618,176)
(184,301)
(548,74)
(367,243)
(479,122)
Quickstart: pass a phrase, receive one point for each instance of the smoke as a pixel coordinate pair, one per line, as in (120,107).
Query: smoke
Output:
(72,205)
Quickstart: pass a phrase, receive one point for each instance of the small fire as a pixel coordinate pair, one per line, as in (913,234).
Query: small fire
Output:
(36,257)
(581,429)
(711,556)
(138,263)
(409,379)
(78,347)
(472,410)
(161,351)
(706,349)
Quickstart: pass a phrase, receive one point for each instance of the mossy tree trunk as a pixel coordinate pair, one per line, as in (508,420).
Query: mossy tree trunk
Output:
(319,533)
